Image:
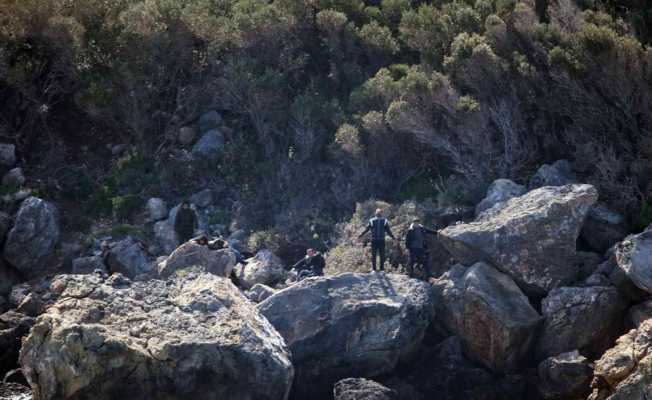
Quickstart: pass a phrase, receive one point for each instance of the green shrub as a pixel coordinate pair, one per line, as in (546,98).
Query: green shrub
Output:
(124,207)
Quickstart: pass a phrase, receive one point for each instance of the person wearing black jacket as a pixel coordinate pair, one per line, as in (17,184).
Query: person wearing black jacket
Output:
(311,265)
(417,245)
(379,227)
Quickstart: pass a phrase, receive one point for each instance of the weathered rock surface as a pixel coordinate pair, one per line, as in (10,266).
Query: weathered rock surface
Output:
(203,198)
(8,278)
(209,120)
(489,312)
(265,268)
(191,337)
(191,254)
(7,154)
(362,389)
(624,372)
(584,318)
(565,377)
(209,145)
(14,178)
(531,238)
(157,209)
(88,265)
(348,325)
(260,292)
(33,238)
(186,135)
(499,191)
(639,313)
(558,173)
(603,228)
(13,326)
(128,258)
(634,257)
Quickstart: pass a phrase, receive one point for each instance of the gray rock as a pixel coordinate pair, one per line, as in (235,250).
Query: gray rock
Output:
(566,376)
(531,238)
(7,154)
(634,257)
(203,198)
(88,265)
(14,178)
(192,337)
(499,191)
(128,258)
(587,263)
(349,325)
(186,135)
(13,326)
(191,254)
(584,318)
(165,236)
(639,313)
(362,389)
(33,238)
(209,120)
(157,209)
(32,305)
(18,294)
(209,145)
(265,268)
(558,173)
(489,312)
(260,292)
(624,371)
(603,228)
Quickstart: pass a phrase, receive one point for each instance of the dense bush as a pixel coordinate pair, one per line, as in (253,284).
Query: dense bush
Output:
(331,101)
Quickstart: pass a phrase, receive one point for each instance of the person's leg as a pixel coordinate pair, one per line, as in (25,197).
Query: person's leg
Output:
(411,263)
(381,251)
(426,264)
(374,252)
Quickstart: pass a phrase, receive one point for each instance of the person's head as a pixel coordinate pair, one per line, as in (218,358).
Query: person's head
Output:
(378,213)
(104,245)
(416,221)
(185,204)
(310,252)
(202,240)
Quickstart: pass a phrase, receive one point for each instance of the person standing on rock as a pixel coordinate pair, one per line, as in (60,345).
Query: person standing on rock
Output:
(185,222)
(417,245)
(312,264)
(379,227)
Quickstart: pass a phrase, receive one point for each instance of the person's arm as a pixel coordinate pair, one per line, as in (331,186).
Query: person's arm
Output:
(430,231)
(365,231)
(408,239)
(388,230)
(299,265)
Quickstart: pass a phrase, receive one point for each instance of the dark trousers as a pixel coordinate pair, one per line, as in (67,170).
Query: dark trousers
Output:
(420,257)
(378,250)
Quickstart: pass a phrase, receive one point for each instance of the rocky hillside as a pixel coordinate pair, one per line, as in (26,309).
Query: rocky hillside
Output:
(542,294)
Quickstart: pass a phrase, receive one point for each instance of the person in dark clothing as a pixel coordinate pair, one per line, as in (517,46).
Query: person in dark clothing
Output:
(311,265)
(185,222)
(417,245)
(379,227)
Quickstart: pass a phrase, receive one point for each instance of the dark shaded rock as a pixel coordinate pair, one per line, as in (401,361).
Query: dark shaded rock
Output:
(192,337)
(558,173)
(639,313)
(584,318)
(32,240)
(349,325)
(362,389)
(129,258)
(489,312)
(603,228)
(13,327)
(565,377)
(531,238)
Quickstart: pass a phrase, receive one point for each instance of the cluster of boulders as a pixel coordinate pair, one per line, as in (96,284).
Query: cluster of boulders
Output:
(543,296)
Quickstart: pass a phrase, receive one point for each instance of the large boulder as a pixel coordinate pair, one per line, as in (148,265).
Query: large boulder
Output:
(191,254)
(489,312)
(603,228)
(265,268)
(584,318)
(558,173)
(362,389)
(129,258)
(209,145)
(634,257)
(499,191)
(33,238)
(624,372)
(191,337)
(349,325)
(531,237)
(566,376)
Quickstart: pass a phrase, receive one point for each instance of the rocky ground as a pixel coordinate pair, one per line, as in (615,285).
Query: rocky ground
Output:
(543,294)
